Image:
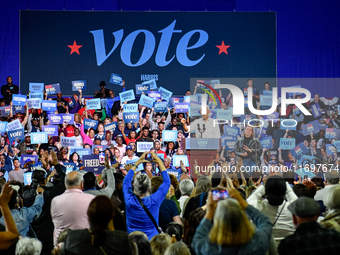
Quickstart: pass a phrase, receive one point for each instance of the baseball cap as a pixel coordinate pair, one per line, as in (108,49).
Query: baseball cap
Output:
(304,207)
(129,147)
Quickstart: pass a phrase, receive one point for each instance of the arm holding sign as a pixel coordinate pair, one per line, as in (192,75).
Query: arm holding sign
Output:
(26,117)
(11,110)
(168,119)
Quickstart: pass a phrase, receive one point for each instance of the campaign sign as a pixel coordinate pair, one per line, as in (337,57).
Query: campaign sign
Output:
(176,159)
(50,130)
(157,95)
(67,117)
(133,161)
(77,85)
(39,137)
(306,159)
(91,164)
(229,144)
(28,157)
(166,94)
(33,167)
(81,151)
(88,123)
(299,150)
(128,95)
(131,117)
(263,132)
(287,143)
(16,134)
(55,119)
(100,147)
(337,145)
(13,125)
(266,100)
(303,172)
(5,110)
(19,99)
(36,95)
(296,110)
(203,144)
(316,110)
(160,106)
(103,102)
(36,87)
(311,127)
(130,108)
(224,114)
(267,93)
(49,105)
(116,79)
(169,135)
(73,166)
(152,83)
(144,146)
(174,100)
(112,126)
(291,94)
(52,89)
(3,126)
(331,150)
(288,124)
(34,103)
(331,133)
(231,131)
(28,178)
(19,109)
(93,104)
(142,88)
(146,101)
(181,107)
(194,110)
(68,141)
(273,116)
(247,118)
(266,142)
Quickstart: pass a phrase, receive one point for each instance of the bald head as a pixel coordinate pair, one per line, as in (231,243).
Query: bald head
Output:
(73,180)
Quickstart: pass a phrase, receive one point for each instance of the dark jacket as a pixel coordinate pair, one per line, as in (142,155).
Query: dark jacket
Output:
(254,145)
(7,91)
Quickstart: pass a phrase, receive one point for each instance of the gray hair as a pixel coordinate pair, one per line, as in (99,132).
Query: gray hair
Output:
(178,248)
(73,182)
(186,187)
(332,199)
(141,184)
(203,184)
(28,246)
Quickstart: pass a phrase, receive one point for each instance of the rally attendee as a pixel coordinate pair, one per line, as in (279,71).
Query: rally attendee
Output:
(129,155)
(17,174)
(8,90)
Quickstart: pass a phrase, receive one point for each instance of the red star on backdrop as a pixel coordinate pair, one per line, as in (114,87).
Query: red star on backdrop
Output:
(223,48)
(74,48)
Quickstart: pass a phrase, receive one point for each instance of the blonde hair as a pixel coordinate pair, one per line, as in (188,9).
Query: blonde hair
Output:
(159,243)
(231,225)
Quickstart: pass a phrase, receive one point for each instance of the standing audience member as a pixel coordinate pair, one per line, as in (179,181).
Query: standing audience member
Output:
(159,243)
(142,241)
(186,187)
(28,246)
(332,202)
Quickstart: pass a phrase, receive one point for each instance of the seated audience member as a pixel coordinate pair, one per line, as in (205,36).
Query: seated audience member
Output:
(309,237)
(101,237)
(332,202)
(186,187)
(226,228)
(177,248)
(69,209)
(159,243)
(136,216)
(28,246)
(90,183)
(10,233)
(142,241)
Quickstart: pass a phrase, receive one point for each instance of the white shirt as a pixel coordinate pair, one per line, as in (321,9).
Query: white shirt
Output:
(126,158)
(322,193)
(206,129)
(181,201)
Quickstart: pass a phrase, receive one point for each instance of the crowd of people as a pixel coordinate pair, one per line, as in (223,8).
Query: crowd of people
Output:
(147,203)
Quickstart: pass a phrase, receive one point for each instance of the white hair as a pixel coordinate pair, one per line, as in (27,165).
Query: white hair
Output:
(186,187)
(332,199)
(28,246)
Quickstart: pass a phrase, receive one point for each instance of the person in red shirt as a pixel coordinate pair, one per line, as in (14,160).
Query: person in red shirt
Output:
(70,130)
(158,148)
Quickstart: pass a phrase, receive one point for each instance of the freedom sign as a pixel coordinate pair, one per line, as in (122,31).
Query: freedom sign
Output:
(155,95)
(169,135)
(50,130)
(39,137)
(49,105)
(181,107)
(131,117)
(91,164)
(19,99)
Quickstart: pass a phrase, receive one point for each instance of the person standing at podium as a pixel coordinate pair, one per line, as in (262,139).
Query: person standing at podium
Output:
(205,127)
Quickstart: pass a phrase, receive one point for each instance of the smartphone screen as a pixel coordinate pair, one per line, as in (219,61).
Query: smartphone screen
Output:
(220,194)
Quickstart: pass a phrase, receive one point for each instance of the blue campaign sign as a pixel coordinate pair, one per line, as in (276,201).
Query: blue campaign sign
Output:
(88,123)
(316,110)
(3,126)
(291,94)
(263,132)
(194,110)
(39,137)
(19,109)
(157,95)
(36,95)
(173,100)
(160,106)
(116,79)
(130,107)
(91,164)
(5,110)
(311,159)
(229,144)
(103,102)
(81,151)
(142,88)
(169,135)
(152,83)
(34,103)
(50,130)
(144,146)
(14,125)
(32,167)
(303,172)
(68,141)
(337,145)
(131,117)
(93,104)
(203,144)
(112,126)
(28,157)
(36,87)
(73,166)
(100,147)
(52,89)
(132,162)
(77,85)
(299,150)
(181,107)
(128,95)
(166,94)
(178,158)
(247,118)
(273,116)
(267,93)
(224,114)
(231,131)
(332,133)
(28,178)
(55,119)
(296,110)
(310,127)
(266,100)
(289,124)
(331,150)
(266,142)
(146,101)
(49,105)
(287,143)
(19,99)
(67,117)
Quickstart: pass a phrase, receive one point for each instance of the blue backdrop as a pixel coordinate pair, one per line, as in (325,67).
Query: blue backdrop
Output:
(308,35)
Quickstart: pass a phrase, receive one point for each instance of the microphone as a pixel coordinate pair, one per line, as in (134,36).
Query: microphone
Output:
(201,130)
